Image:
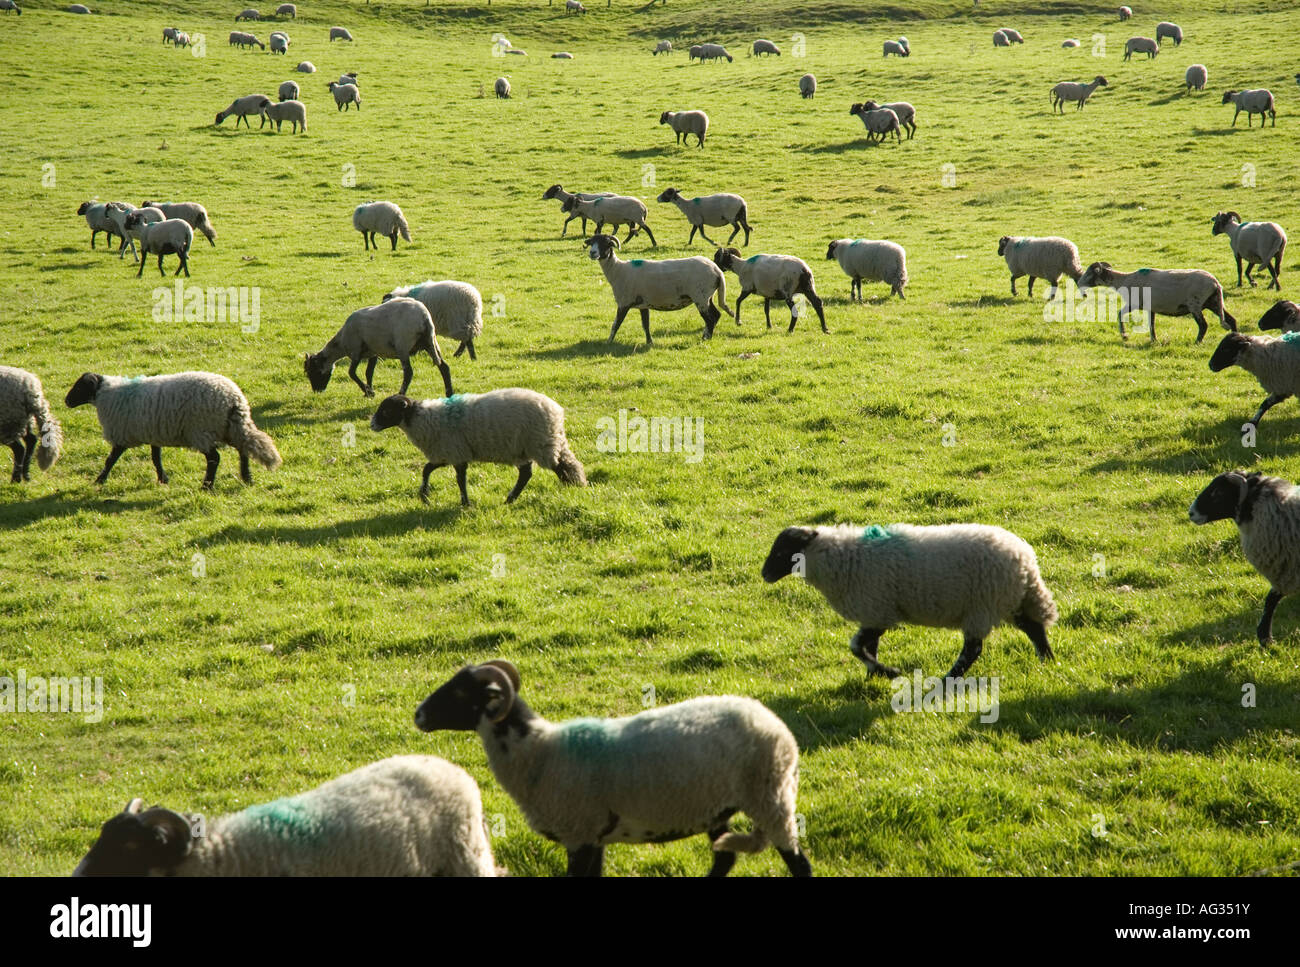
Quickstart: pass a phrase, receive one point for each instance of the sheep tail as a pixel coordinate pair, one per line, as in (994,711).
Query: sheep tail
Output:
(1038,604)
(403,229)
(569,470)
(50,433)
(1222,307)
(733,842)
(247,438)
(722,293)
(209,232)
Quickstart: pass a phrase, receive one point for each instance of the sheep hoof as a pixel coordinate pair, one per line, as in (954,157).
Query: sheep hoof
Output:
(369,393)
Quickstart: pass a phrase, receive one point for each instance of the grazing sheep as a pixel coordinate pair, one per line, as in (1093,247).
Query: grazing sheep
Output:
(904,111)
(287,10)
(664,286)
(1165,292)
(23,408)
(242,107)
(1013,36)
(279,43)
(1267,513)
(1141,45)
(1258,243)
(411,815)
(573,6)
(1197,77)
(8,5)
(895,48)
(306,67)
(611,210)
(394,329)
(1171,30)
(198,411)
(1071,42)
(764,47)
(1000,39)
(719,209)
(1258,101)
(171,236)
(711,52)
(877,261)
(241,39)
(96,215)
(1075,91)
(667,773)
(516,427)
(663,47)
(183,39)
(188,211)
(339,33)
(562,55)
(248,14)
(687,123)
(880,121)
(1275,363)
(1125,13)
(292,111)
(517,52)
(77,8)
(1282,315)
(773,277)
(807,86)
(557,191)
(1046,258)
(967,576)
(289,91)
(116,212)
(456,308)
(694,51)
(345,95)
(501,87)
(169,33)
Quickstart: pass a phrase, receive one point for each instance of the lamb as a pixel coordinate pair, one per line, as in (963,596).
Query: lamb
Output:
(1013,36)
(1274,362)
(773,277)
(1166,292)
(663,47)
(516,427)
(712,52)
(1282,315)
(557,191)
(878,261)
(807,86)
(896,48)
(198,411)
(1171,30)
(171,236)
(411,815)
(665,285)
(573,6)
(345,95)
(289,91)
(456,309)
(1196,77)
(248,14)
(339,33)
(1075,91)
(292,111)
(765,47)
(188,211)
(611,210)
(1125,13)
(1258,243)
(242,107)
(1141,45)
(880,121)
(1267,513)
(719,209)
(279,43)
(968,576)
(306,67)
(7,5)
(687,123)
(904,111)
(394,329)
(1257,101)
(96,216)
(23,407)
(501,87)
(148,216)
(667,773)
(287,10)
(1046,258)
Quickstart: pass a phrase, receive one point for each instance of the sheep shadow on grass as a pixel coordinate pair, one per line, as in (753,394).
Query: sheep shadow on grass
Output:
(74,266)
(1215,132)
(601,347)
(633,153)
(1221,452)
(419,517)
(835,716)
(61,504)
(856,145)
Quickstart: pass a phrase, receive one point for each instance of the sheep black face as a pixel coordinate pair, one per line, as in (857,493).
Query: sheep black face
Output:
(724,257)
(830,252)
(1227,352)
(552,192)
(84,207)
(669,194)
(83,390)
(318,370)
(601,246)
(1002,244)
(1221,500)
(474,692)
(133,843)
(663,118)
(1222,220)
(392,412)
(1283,315)
(1227,96)
(786,555)
(1096,274)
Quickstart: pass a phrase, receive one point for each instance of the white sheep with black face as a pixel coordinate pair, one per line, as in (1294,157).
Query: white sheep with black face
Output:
(876,260)
(171,236)
(723,208)
(1165,292)
(374,218)
(557,191)
(1274,362)
(397,328)
(1255,243)
(1256,101)
(1047,258)
(772,277)
(612,210)
(23,408)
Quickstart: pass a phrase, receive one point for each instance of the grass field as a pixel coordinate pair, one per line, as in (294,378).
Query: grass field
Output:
(326,601)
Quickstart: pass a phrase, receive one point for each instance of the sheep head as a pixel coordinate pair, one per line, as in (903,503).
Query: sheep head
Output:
(84,390)
(1283,315)
(786,555)
(601,246)
(1222,499)
(1228,351)
(1099,273)
(1222,220)
(137,841)
(724,257)
(669,194)
(393,411)
(318,370)
(552,192)
(473,693)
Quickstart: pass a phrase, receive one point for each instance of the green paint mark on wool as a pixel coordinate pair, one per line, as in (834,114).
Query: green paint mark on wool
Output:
(454,407)
(1144,272)
(588,738)
(288,820)
(638,262)
(695,201)
(1292,339)
(597,201)
(753,258)
(1020,243)
(875,533)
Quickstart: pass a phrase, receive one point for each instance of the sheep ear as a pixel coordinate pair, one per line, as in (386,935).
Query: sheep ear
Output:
(508,667)
(134,806)
(614,239)
(171,833)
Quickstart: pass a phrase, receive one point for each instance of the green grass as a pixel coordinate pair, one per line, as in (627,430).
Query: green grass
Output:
(328,581)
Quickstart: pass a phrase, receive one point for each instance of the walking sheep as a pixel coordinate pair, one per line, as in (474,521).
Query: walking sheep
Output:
(1275,363)
(1000,39)
(1282,315)
(967,576)
(1046,258)
(880,121)
(1165,292)
(394,329)
(876,261)
(665,774)
(1258,243)
(611,210)
(765,47)
(1171,30)
(573,6)
(1196,77)
(1075,91)
(1267,513)
(198,411)
(807,86)
(664,286)
(456,309)
(663,47)
(241,39)
(345,95)
(288,91)
(411,815)
(242,107)
(686,123)
(501,87)
(517,427)
(169,33)
(1013,36)
(339,33)
(187,211)
(148,216)
(171,236)
(773,277)
(1141,45)
(717,210)
(380,218)
(116,212)
(96,215)
(904,111)
(1258,101)
(292,111)
(23,408)
(557,191)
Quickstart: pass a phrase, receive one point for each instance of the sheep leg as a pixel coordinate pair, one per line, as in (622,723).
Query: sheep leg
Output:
(244,473)
(1198,315)
(460,482)
(29,438)
(155,454)
(459,349)
(631,230)
(723,860)
(424,484)
(1267,405)
(645,324)
(468,344)
(649,233)
(767,313)
(805,286)
(711,315)
(210,476)
(352,373)
(1265,629)
(1275,270)
(586,861)
(741,298)
(393,238)
(969,652)
(1238,257)
(365,237)
(1249,267)
(525,474)
(407,373)
(143,259)
(618,321)
(446,370)
(564,229)
(796,862)
(371,363)
(1037,634)
(1013,284)
(160,268)
(185,264)
(690,238)
(864,645)
(705,237)
(17,448)
(1031,287)
(794,315)
(92,237)
(108,464)
(735,230)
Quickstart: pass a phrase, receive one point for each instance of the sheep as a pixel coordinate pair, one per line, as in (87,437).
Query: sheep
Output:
(77,8)
(573,6)
(350,78)
(289,91)
(501,87)
(1075,91)
(119,211)
(1070,42)
(765,47)
(8,5)
(1197,77)
(306,67)
(517,52)
(1267,513)
(1000,39)
(1125,13)
(1282,315)
(895,48)
(516,427)
(879,121)
(719,209)
(1166,292)
(973,577)
(1258,101)
(1046,258)
(1275,363)
(116,212)
(248,14)
(411,815)
(1171,30)
(686,123)
(557,191)
(807,86)
(183,39)
(394,329)
(1258,243)
(879,261)
(188,211)
(292,111)
(562,55)
(171,236)
(904,111)
(238,37)
(1141,45)
(345,95)
(611,210)
(279,43)
(382,218)
(198,411)
(1013,36)
(287,10)
(663,47)
(169,33)
(665,285)
(242,107)
(694,51)
(96,216)
(339,33)
(23,407)
(712,52)
(773,277)
(667,773)
(456,308)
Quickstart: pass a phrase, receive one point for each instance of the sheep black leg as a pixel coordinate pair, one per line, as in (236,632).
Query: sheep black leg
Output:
(244,473)
(210,477)
(108,464)
(1265,629)
(691,237)
(460,482)
(645,324)
(30,439)
(525,474)
(586,861)
(1201,327)
(814,300)
(711,315)
(1274,269)
(705,237)
(365,237)
(469,344)
(970,651)
(1031,287)
(459,349)
(723,859)
(155,454)
(735,230)
(160,268)
(407,373)
(446,372)
(793,314)
(1013,285)
(1249,267)
(618,321)
(185,264)
(352,374)
(864,645)
(393,238)
(1267,405)
(1238,257)
(17,448)
(1037,634)
(649,234)
(424,484)
(371,363)
(739,299)
(796,862)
